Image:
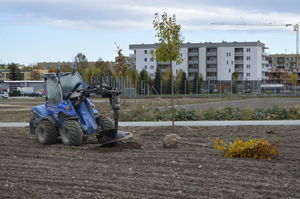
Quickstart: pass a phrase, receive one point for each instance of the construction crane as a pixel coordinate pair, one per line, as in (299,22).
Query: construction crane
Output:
(295,27)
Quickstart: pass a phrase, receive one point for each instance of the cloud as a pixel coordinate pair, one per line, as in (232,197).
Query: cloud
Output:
(114,15)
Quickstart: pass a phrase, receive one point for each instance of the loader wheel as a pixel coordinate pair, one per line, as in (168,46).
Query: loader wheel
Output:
(71,133)
(46,132)
(105,124)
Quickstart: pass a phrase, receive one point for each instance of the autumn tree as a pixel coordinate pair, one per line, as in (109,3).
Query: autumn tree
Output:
(234,77)
(122,63)
(35,75)
(169,43)
(293,80)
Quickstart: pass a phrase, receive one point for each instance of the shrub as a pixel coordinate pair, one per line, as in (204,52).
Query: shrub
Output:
(14,93)
(253,148)
(229,113)
(185,115)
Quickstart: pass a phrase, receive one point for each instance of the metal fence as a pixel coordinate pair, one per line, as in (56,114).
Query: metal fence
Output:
(203,88)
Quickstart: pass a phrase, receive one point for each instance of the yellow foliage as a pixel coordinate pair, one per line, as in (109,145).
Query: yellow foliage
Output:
(253,148)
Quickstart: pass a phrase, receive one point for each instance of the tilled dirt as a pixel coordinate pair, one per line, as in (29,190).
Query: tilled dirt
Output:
(142,168)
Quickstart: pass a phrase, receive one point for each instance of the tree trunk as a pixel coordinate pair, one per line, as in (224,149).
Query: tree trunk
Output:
(172,96)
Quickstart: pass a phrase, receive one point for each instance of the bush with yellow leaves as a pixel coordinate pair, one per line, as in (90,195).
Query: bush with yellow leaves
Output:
(253,148)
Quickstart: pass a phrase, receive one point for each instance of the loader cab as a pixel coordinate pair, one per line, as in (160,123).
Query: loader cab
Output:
(53,89)
(68,81)
(58,86)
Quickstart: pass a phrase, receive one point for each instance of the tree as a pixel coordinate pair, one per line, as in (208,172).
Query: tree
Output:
(35,75)
(234,77)
(158,81)
(104,68)
(143,82)
(170,41)
(14,73)
(293,80)
(133,76)
(122,64)
(81,60)
(196,83)
(181,84)
(168,82)
(169,37)
(82,66)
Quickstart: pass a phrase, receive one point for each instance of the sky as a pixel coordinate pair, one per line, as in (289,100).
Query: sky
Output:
(34,31)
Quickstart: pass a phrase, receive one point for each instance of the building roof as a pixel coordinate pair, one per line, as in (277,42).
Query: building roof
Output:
(24,81)
(199,45)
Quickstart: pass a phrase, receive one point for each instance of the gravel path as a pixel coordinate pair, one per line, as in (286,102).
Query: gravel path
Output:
(185,123)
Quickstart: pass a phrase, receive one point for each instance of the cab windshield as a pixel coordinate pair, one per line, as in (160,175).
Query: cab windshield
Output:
(68,81)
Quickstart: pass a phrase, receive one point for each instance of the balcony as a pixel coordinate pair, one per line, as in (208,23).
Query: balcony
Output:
(238,53)
(211,70)
(239,69)
(193,54)
(239,61)
(163,63)
(240,77)
(193,62)
(193,70)
(214,61)
(211,78)
(211,53)
(265,62)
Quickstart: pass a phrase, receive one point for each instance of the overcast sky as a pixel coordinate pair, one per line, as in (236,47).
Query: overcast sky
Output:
(56,30)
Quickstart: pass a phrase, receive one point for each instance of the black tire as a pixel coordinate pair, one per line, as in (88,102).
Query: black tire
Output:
(46,132)
(71,133)
(106,123)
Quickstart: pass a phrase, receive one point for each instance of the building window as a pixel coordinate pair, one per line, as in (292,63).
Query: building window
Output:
(231,62)
(248,66)
(145,51)
(248,49)
(228,54)
(145,59)
(151,67)
(145,66)
(227,62)
(134,51)
(248,57)
(151,52)
(229,70)
(151,59)
(248,74)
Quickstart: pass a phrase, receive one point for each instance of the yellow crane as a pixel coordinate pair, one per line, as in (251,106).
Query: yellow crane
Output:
(295,28)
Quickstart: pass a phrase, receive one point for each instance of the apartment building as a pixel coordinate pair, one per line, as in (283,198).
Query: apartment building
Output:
(25,74)
(284,61)
(212,61)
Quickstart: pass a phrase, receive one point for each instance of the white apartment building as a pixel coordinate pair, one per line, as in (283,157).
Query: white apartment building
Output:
(212,61)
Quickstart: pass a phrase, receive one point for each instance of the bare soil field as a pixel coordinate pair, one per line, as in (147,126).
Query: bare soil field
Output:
(142,168)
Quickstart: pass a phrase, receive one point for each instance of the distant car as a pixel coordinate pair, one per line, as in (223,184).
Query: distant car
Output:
(3,94)
(247,91)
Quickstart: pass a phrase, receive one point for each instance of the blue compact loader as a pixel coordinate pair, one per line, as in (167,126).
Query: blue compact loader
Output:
(70,116)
